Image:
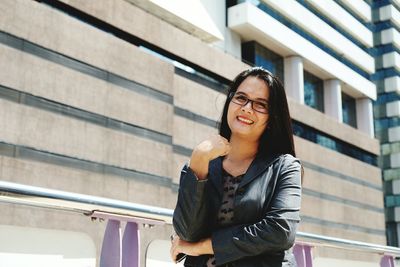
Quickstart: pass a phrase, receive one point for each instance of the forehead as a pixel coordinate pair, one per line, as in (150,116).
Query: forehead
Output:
(254,88)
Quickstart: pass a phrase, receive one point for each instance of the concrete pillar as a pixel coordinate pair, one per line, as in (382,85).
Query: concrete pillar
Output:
(394,136)
(333,99)
(294,78)
(395,160)
(365,121)
(392,84)
(393,109)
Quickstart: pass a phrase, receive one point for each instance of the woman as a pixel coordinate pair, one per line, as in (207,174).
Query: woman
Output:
(239,197)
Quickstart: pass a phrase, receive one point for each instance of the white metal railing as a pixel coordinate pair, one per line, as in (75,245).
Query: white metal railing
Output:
(84,204)
(116,211)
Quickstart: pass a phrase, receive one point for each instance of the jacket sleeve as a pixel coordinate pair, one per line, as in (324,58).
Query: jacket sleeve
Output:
(276,231)
(190,216)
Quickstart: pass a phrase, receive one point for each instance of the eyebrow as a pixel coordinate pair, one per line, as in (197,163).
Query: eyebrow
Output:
(258,98)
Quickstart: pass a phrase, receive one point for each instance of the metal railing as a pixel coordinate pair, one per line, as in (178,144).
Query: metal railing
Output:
(116,211)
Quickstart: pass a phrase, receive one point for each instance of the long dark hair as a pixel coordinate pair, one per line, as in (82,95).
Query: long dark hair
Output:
(277,137)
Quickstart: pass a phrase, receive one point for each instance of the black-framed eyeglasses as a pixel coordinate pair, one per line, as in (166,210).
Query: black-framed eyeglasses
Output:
(242,100)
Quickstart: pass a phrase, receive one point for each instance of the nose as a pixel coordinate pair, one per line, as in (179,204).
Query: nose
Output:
(248,106)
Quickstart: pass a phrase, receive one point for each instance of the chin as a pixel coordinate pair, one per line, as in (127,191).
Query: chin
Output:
(250,134)
(243,134)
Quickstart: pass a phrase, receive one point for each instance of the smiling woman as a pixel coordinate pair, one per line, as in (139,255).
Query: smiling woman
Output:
(239,197)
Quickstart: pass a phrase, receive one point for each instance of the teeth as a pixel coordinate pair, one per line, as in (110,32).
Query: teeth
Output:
(245,120)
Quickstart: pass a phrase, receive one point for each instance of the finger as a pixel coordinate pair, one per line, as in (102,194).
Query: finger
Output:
(222,138)
(226,152)
(174,248)
(227,148)
(173,254)
(223,143)
(226,143)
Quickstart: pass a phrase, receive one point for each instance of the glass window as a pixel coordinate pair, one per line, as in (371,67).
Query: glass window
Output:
(392,201)
(384,123)
(349,110)
(256,54)
(391,234)
(313,91)
(318,137)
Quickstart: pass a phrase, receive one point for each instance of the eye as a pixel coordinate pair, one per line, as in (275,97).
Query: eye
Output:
(260,105)
(240,98)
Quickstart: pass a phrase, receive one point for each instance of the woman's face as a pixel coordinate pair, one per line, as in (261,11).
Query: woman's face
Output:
(243,120)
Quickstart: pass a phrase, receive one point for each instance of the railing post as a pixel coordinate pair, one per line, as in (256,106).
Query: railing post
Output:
(111,248)
(303,255)
(125,253)
(387,261)
(115,253)
(131,245)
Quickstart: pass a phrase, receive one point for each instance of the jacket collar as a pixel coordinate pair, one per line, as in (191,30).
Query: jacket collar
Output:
(258,165)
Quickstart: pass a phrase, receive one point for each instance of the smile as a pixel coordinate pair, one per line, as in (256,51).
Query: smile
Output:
(244,120)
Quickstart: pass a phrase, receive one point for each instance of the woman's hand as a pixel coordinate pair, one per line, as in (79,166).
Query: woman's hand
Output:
(190,248)
(212,147)
(209,149)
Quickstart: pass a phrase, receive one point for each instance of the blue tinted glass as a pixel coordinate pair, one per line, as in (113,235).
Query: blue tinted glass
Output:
(383,73)
(266,63)
(276,15)
(313,91)
(389,97)
(391,232)
(256,54)
(313,135)
(385,123)
(389,201)
(310,95)
(392,201)
(349,110)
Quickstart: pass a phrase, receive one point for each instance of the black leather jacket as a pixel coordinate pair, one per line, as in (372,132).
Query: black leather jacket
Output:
(266,213)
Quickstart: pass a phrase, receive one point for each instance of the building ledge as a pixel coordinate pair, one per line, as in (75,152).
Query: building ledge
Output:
(251,23)
(389,12)
(189,16)
(327,34)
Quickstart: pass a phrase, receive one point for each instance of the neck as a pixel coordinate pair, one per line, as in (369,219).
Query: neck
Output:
(242,149)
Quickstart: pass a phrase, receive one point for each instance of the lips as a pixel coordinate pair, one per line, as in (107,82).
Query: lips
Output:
(245,120)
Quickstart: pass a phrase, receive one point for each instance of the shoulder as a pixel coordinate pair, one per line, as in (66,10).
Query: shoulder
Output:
(288,162)
(289,169)
(288,159)
(281,162)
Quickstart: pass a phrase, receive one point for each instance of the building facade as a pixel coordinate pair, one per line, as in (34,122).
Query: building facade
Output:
(109,97)
(387,22)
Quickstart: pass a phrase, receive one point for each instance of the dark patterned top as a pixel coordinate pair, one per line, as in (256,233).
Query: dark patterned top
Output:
(225,214)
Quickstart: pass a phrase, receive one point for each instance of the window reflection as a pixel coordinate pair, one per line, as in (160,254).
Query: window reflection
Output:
(318,137)
(256,54)
(349,110)
(313,91)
